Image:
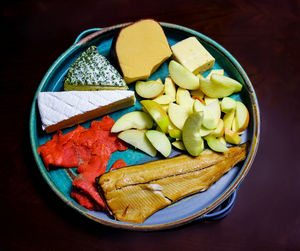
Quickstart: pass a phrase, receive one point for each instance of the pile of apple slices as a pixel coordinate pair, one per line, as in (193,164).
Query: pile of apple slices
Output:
(188,108)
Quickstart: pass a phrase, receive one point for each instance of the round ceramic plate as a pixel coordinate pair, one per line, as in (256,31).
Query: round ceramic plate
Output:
(185,210)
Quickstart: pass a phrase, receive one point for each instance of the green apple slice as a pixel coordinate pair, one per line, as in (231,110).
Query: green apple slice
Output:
(228,119)
(136,119)
(170,88)
(157,113)
(160,141)
(216,71)
(191,138)
(215,144)
(178,115)
(182,76)
(164,99)
(227,104)
(138,139)
(198,106)
(179,145)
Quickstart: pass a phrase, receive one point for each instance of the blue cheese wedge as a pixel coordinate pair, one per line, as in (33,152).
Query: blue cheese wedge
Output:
(192,55)
(59,110)
(92,72)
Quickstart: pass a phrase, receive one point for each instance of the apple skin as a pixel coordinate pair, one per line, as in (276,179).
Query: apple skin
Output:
(232,137)
(191,138)
(160,142)
(157,113)
(215,144)
(242,116)
(136,119)
(182,76)
(138,139)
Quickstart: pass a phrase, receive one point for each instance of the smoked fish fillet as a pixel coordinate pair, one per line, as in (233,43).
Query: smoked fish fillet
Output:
(134,193)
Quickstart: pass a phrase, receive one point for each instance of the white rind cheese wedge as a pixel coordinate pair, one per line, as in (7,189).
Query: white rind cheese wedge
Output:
(59,110)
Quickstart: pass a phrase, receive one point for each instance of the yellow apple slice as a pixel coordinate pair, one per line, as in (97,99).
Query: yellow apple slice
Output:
(149,89)
(136,119)
(215,144)
(173,131)
(227,104)
(170,88)
(219,131)
(222,140)
(160,142)
(211,115)
(182,76)
(157,113)
(228,119)
(178,115)
(191,138)
(216,71)
(138,139)
(232,137)
(183,98)
(197,93)
(159,80)
(198,106)
(208,100)
(222,80)
(165,107)
(219,86)
(234,126)
(242,116)
(164,99)
(179,145)
(204,131)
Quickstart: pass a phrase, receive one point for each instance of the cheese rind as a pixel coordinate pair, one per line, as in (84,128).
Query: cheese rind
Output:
(192,55)
(59,110)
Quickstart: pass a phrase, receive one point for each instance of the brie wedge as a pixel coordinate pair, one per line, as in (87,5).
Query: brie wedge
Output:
(59,110)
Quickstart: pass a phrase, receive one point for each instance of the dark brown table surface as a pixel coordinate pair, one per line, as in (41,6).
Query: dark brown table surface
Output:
(264,36)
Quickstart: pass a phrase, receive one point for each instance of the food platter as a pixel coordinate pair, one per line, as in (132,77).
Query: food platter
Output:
(185,210)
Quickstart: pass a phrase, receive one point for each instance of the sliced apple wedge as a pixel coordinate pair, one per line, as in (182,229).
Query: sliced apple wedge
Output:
(242,116)
(222,80)
(219,86)
(204,131)
(208,100)
(157,113)
(197,93)
(170,88)
(191,138)
(215,144)
(182,76)
(232,137)
(183,98)
(149,89)
(219,131)
(227,104)
(136,119)
(179,145)
(164,99)
(211,115)
(178,115)
(160,142)
(173,131)
(138,139)
(216,71)
(228,119)
(198,106)
(222,140)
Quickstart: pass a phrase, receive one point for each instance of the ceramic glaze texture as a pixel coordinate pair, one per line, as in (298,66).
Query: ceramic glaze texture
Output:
(185,210)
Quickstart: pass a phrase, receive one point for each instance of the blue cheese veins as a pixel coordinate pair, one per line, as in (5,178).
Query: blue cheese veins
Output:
(92,71)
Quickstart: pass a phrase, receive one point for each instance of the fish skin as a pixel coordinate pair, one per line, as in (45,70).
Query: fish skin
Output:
(134,193)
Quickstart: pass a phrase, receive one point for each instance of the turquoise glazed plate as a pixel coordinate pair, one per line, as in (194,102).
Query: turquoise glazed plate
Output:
(186,210)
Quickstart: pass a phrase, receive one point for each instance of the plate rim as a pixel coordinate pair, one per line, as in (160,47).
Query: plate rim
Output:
(222,197)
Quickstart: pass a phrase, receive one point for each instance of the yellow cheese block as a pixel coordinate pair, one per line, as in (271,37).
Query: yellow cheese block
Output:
(192,55)
(140,49)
